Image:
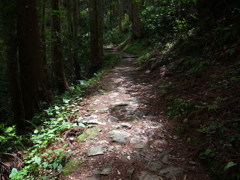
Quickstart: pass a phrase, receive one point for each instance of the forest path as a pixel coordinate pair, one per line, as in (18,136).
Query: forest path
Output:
(124,138)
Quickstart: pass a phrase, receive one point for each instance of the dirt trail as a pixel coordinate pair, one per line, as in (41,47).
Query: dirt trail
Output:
(124,138)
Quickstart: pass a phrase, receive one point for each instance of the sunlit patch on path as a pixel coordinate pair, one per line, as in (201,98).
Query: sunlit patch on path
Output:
(121,138)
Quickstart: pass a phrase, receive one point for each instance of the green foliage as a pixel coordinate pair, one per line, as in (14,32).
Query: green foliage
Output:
(39,164)
(191,65)
(179,108)
(9,140)
(229,165)
(114,36)
(71,166)
(111,59)
(207,106)
(162,88)
(163,20)
(207,154)
(213,127)
(136,47)
(42,164)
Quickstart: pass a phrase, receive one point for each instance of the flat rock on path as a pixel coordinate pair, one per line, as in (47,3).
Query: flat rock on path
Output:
(122,138)
(148,176)
(119,136)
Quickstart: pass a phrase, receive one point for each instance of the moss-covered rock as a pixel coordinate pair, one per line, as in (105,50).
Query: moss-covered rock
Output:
(71,166)
(89,134)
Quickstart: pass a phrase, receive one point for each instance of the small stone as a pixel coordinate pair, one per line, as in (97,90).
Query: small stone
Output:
(140,146)
(71,139)
(106,171)
(140,113)
(154,166)
(136,156)
(116,126)
(130,173)
(192,163)
(139,131)
(96,150)
(132,99)
(120,104)
(151,117)
(102,142)
(165,160)
(164,153)
(148,156)
(148,176)
(134,104)
(175,137)
(96,122)
(185,120)
(110,148)
(94,116)
(151,133)
(171,172)
(119,136)
(138,139)
(112,119)
(131,118)
(126,125)
(91,178)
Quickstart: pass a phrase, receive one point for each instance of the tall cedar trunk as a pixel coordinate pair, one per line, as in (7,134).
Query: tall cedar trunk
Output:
(57,56)
(33,84)
(68,5)
(110,14)
(10,39)
(134,16)
(100,30)
(120,15)
(43,37)
(96,31)
(75,38)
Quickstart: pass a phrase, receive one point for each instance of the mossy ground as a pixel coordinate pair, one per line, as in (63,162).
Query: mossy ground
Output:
(89,134)
(71,166)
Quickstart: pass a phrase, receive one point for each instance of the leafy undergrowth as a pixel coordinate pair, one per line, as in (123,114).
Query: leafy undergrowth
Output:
(136,47)
(45,151)
(199,81)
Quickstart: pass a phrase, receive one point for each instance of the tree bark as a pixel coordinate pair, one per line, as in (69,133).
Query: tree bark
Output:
(96,31)
(10,38)
(43,36)
(134,16)
(75,37)
(57,56)
(100,30)
(120,15)
(33,84)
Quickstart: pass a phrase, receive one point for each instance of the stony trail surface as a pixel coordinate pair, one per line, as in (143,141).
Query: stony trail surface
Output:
(123,138)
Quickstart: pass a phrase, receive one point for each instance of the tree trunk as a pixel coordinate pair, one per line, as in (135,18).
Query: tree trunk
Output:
(69,6)
(120,15)
(96,31)
(75,37)
(100,30)
(10,39)
(43,36)
(134,16)
(33,84)
(57,56)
